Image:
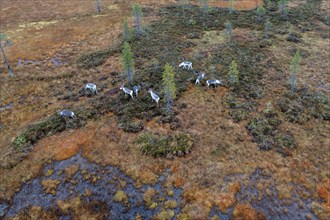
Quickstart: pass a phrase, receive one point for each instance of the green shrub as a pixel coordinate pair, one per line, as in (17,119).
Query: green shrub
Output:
(128,62)
(169,88)
(233,74)
(132,127)
(20,142)
(261,11)
(162,146)
(264,129)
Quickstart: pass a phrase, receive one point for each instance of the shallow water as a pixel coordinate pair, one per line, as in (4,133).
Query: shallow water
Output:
(270,203)
(102,181)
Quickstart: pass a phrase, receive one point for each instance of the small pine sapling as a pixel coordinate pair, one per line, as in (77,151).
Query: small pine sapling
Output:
(147,32)
(282,4)
(292,35)
(270,5)
(231,7)
(98,6)
(229,32)
(137,14)
(3,43)
(184,4)
(261,11)
(294,68)
(126,31)
(268,108)
(267,28)
(128,62)
(169,88)
(233,74)
(205,7)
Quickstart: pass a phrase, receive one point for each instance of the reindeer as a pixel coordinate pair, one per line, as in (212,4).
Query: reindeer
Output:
(154,96)
(91,87)
(67,113)
(136,90)
(127,91)
(214,82)
(186,65)
(199,78)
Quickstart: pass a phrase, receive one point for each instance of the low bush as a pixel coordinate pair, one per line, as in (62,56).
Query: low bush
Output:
(163,146)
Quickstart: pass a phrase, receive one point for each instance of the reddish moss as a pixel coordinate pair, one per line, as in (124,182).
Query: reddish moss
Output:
(225,201)
(246,212)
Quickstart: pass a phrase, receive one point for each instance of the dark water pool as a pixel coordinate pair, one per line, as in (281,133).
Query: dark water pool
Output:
(102,182)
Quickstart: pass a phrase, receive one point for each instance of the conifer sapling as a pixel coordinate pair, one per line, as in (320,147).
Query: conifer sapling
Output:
(267,28)
(126,31)
(229,32)
(261,11)
(294,68)
(169,88)
(4,42)
(282,4)
(137,14)
(233,74)
(128,62)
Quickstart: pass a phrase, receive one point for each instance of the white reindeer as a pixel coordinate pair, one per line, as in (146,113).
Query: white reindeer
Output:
(200,77)
(67,113)
(214,82)
(91,87)
(127,91)
(136,90)
(186,65)
(154,96)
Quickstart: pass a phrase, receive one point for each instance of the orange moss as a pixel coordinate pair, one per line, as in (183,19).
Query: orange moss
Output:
(196,194)
(246,212)
(65,145)
(225,201)
(235,187)
(178,182)
(174,166)
(324,193)
(324,190)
